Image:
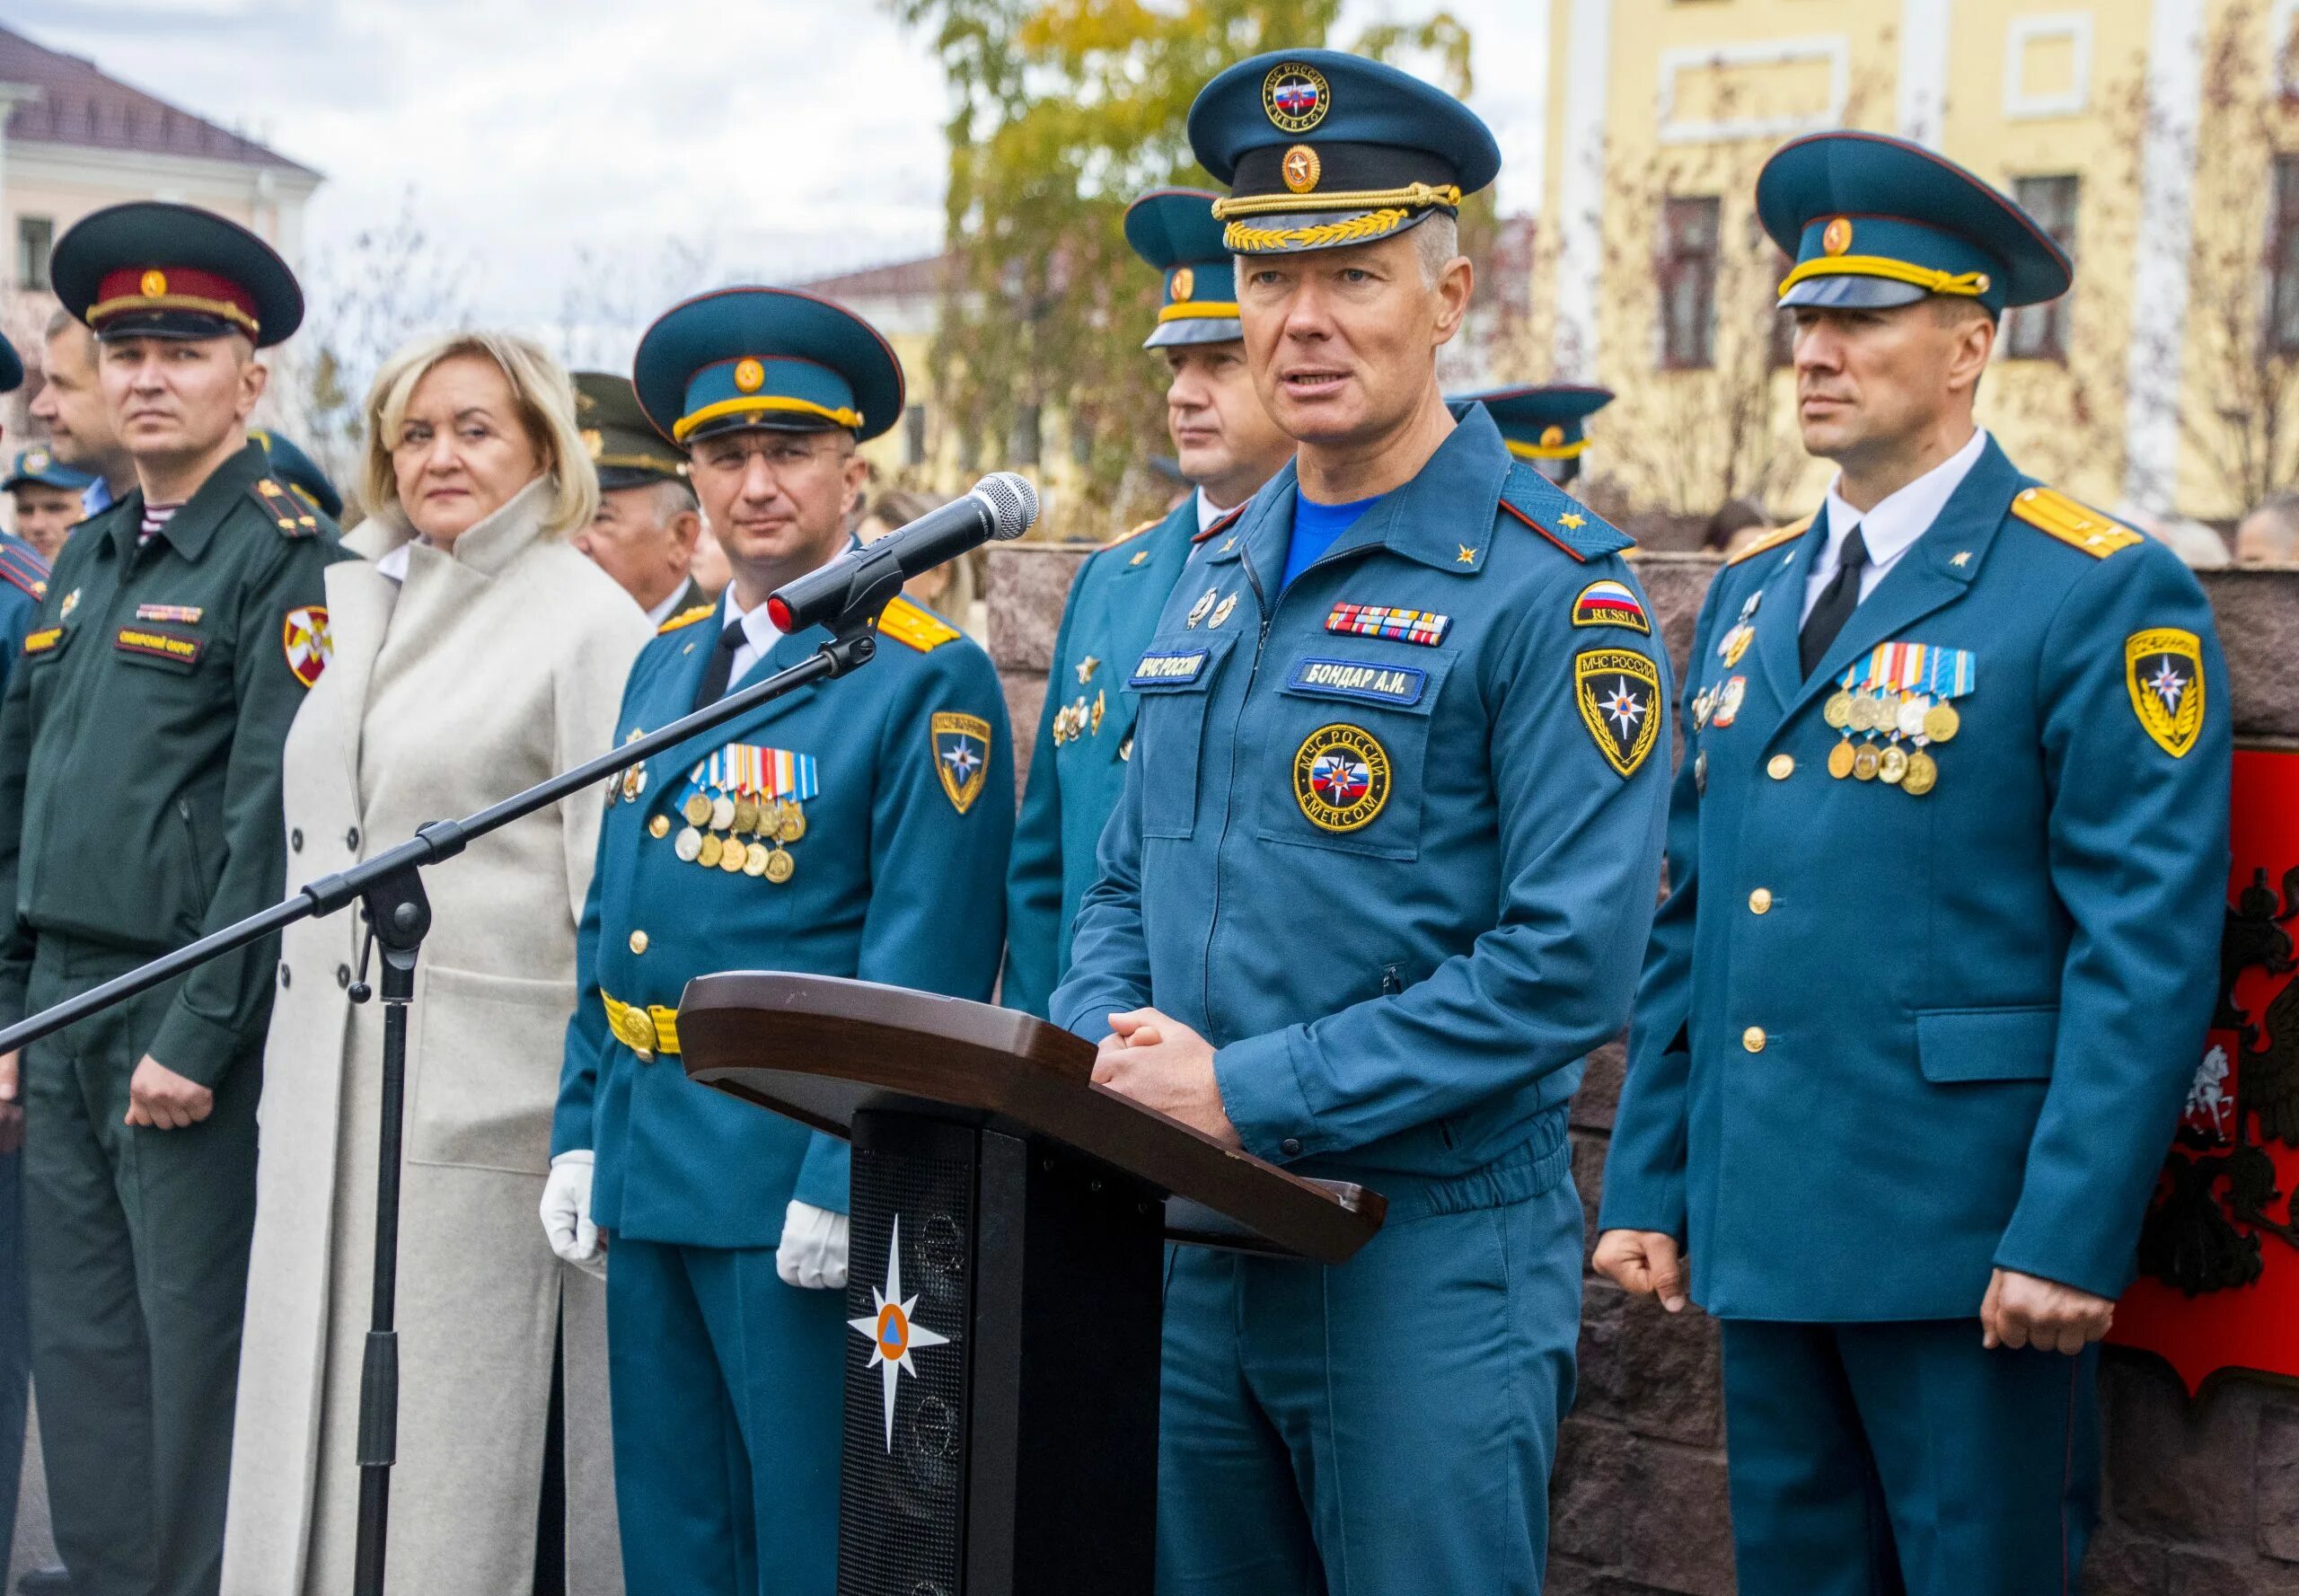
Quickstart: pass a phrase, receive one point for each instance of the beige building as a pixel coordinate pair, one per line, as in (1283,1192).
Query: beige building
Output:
(73,140)
(2148,136)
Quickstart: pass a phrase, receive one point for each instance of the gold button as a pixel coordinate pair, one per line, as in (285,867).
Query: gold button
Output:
(660,827)
(1780,767)
(638,941)
(1760,901)
(1753,1038)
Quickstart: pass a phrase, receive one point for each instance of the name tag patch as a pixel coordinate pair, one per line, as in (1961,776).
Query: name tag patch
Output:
(43,640)
(159,645)
(1169,669)
(1355,679)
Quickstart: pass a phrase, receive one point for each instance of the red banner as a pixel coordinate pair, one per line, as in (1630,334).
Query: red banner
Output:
(2218,1282)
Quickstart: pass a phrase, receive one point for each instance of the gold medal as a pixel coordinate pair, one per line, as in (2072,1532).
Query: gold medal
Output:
(712,847)
(722,813)
(1838,710)
(1909,720)
(794,822)
(631,782)
(1865,762)
(746,814)
(697,809)
(780,867)
(1840,760)
(1923,774)
(1891,765)
(687,845)
(659,827)
(1941,722)
(733,857)
(1863,713)
(754,859)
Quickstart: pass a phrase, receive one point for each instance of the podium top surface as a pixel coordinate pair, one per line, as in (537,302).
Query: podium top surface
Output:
(821,1049)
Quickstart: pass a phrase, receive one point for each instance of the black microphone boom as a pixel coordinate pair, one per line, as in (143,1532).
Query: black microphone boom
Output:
(1002,506)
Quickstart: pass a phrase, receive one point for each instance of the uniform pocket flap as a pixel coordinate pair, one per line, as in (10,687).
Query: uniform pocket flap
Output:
(1409,688)
(1178,665)
(1987,1044)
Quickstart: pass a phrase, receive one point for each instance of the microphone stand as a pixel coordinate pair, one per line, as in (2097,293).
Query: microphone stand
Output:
(390,889)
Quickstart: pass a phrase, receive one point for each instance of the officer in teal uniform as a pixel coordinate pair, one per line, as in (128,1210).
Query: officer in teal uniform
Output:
(859,828)
(1227,447)
(1387,852)
(1948,855)
(1545,424)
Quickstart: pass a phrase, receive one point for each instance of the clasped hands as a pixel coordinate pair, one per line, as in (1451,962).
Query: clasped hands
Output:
(1161,1063)
(2018,1310)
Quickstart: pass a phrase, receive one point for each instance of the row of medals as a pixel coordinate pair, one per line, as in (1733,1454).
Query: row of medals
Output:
(1915,716)
(756,832)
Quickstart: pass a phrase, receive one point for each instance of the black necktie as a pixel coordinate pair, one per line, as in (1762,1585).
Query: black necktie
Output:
(1838,599)
(721,668)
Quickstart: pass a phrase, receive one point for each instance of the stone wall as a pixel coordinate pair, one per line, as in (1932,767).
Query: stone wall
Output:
(2202,1497)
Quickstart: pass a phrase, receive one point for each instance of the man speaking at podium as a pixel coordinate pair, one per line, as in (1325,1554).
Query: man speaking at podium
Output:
(1386,861)
(858,828)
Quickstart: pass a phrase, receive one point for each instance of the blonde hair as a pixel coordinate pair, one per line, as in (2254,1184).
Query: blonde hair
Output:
(546,402)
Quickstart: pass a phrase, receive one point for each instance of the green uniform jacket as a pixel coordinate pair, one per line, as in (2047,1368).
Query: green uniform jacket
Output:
(140,745)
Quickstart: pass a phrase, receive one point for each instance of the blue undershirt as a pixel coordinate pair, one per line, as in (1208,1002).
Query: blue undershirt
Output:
(1316,528)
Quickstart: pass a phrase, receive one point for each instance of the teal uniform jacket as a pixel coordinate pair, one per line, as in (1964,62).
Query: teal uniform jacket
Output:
(1955,1030)
(1085,741)
(894,882)
(23,582)
(1401,886)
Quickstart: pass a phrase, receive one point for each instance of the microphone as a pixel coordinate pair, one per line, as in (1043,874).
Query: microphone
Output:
(1002,506)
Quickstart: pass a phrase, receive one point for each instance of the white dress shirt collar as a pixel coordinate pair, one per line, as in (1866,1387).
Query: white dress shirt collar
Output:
(1208,512)
(760,634)
(661,613)
(1891,527)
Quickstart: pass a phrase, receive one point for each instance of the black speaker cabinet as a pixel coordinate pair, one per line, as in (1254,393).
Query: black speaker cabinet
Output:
(1004,1293)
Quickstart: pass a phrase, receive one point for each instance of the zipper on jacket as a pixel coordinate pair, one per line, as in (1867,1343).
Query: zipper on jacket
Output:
(1213,918)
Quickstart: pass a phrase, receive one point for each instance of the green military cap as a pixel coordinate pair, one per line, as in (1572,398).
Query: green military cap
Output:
(624,444)
(150,269)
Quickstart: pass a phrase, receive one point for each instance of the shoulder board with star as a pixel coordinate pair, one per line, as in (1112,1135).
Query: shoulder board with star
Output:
(1151,525)
(687,618)
(289,514)
(1774,538)
(1564,520)
(921,628)
(1224,524)
(2048,510)
(22,568)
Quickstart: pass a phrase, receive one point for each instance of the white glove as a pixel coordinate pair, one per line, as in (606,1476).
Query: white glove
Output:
(812,1254)
(566,1212)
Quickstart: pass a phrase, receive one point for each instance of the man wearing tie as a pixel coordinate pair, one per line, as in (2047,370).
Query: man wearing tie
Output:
(1948,857)
(858,828)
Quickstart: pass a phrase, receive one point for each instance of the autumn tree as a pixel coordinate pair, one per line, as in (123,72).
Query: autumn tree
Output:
(1062,113)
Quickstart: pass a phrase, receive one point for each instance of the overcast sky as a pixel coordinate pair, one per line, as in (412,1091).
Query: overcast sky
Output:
(780,140)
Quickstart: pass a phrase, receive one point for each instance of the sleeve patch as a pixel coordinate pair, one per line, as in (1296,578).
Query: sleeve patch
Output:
(1618,693)
(1609,602)
(308,644)
(961,749)
(2163,670)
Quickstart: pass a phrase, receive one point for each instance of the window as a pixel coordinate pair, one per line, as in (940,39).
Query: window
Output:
(914,435)
(1687,274)
(35,236)
(2041,331)
(2282,259)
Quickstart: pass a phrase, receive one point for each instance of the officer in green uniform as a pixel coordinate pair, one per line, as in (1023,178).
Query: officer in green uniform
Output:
(1227,447)
(649,521)
(1545,424)
(139,809)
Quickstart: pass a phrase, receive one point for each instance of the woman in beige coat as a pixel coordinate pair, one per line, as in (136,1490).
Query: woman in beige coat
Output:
(474,653)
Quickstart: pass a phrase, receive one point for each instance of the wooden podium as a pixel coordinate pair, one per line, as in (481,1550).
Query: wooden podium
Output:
(1007,1248)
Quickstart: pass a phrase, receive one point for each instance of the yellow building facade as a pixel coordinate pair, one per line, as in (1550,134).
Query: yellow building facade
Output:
(2149,135)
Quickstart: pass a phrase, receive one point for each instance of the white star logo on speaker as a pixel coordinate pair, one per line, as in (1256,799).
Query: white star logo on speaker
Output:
(893,1334)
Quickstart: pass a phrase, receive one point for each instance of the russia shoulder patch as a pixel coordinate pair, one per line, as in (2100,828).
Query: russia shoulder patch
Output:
(1609,602)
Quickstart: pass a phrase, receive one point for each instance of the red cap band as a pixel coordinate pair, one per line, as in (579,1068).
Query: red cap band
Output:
(171,289)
